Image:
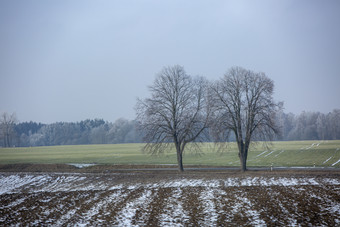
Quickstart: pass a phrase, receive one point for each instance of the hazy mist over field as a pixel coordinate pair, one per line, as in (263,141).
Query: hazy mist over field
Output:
(73,60)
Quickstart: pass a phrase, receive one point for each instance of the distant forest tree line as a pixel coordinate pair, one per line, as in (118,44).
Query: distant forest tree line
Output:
(304,126)
(95,131)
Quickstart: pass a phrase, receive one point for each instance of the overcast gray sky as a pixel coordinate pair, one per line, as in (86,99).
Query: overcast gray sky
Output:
(73,60)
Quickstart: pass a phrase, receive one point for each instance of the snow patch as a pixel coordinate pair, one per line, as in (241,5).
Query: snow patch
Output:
(280,153)
(261,154)
(174,214)
(327,160)
(244,204)
(213,196)
(10,183)
(185,183)
(14,203)
(209,210)
(336,162)
(55,183)
(269,153)
(331,181)
(311,146)
(125,217)
(101,205)
(66,217)
(81,165)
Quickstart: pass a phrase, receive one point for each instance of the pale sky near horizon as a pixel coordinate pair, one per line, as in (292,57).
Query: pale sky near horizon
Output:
(79,59)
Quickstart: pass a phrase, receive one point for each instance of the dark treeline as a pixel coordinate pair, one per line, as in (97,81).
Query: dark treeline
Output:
(95,131)
(305,126)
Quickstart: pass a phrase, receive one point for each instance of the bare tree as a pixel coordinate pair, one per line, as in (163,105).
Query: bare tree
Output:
(176,114)
(7,132)
(243,104)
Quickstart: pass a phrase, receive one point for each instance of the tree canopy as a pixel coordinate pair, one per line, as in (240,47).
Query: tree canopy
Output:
(175,114)
(243,104)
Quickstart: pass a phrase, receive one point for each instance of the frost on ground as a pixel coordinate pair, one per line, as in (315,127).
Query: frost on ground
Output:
(94,199)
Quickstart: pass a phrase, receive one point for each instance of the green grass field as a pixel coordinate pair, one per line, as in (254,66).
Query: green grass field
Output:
(291,153)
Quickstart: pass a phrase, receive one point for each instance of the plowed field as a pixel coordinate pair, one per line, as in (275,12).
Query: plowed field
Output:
(162,199)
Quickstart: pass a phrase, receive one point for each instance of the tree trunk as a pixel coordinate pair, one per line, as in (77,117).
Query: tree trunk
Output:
(7,140)
(180,160)
(242,154)
(243,160)
(179,152)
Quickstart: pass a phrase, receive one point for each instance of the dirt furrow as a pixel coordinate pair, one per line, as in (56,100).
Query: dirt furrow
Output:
(94,200)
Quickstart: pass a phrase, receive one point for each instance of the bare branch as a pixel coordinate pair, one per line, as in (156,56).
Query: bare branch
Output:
(176,113)
(243,103)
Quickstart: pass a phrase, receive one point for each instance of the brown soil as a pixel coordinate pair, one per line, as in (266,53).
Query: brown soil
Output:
(163,169)
(276,205)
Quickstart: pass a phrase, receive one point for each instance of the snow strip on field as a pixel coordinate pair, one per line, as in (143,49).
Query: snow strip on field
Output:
(174,214)
(14,203)
(331,181)
(311,146)
(280,153)
(81,165)
(336,162)
(261,154)
(63,219)
(126,215)
(269,153)
(47,183)
(253,214)
(189,183)
(210,212)
(329,206)
(327,160)
(12,182)
(101,205)
(235,182)
(243,204)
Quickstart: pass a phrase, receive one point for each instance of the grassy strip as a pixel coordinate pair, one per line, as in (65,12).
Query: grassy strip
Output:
(290,153)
